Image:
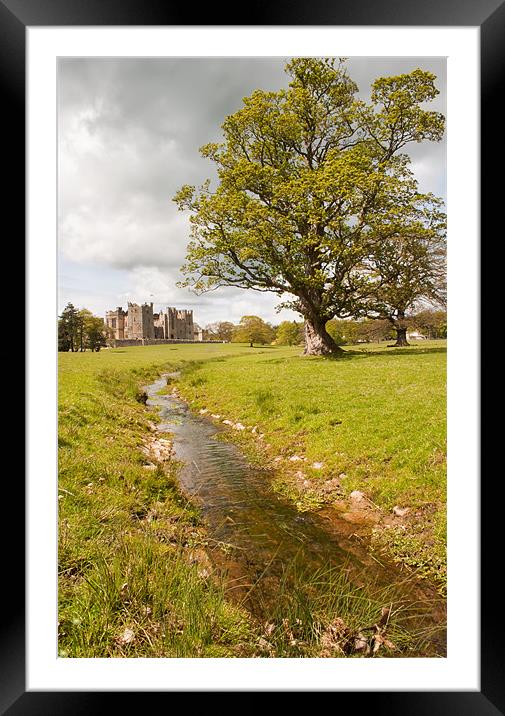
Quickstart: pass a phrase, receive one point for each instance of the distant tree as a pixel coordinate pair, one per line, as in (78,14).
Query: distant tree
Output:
(79,330)
(219,331)
(95,333)
(348,332)
(83,318)
(289,333)
(304,174)
(433,324)
(63,337)
(253,329)
(68,329)
(407,260)
(374,331)
(345,331)
(337,331)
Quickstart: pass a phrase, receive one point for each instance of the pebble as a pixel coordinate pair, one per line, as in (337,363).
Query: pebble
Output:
(126,637)
(357,496)
(400,511)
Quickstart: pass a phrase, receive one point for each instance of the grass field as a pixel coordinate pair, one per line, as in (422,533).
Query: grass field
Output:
(376,417)
(130,584)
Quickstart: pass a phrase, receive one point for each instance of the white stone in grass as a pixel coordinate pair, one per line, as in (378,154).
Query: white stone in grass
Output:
(295,458)
(127,636)
(239,426)
(357,496)
(400,511)
(227,422)
(318,465)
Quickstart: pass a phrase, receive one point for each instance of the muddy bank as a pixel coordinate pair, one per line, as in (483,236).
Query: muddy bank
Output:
(257,538)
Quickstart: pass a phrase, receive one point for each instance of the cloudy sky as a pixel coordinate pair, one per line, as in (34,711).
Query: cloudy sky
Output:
(128,137)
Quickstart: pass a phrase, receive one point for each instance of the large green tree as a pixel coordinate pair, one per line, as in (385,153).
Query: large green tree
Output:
(302,175)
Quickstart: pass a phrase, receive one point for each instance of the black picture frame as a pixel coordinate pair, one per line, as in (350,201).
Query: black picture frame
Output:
(15,17)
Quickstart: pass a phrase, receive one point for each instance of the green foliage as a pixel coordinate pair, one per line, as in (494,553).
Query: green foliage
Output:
(312,185)
(289,333)
(340,331)
(433,324)
(348,332)
(94,332)
(220,331)
(408,263)
(68,329)
(79,330)
(252,329)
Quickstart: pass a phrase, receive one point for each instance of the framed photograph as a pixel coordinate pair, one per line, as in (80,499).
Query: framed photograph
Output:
(118,101)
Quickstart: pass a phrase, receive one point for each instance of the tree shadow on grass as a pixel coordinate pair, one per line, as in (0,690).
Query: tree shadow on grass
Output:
(405,352)
(348,355)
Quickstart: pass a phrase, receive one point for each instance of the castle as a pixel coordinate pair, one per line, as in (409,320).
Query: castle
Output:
(140,322)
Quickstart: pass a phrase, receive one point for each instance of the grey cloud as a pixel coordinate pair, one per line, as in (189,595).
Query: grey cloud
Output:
(129,133)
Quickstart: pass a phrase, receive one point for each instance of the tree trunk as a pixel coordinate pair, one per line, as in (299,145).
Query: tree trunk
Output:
(401,338)
(318,341)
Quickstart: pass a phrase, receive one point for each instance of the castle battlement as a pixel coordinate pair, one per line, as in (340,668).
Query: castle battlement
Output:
(140,322)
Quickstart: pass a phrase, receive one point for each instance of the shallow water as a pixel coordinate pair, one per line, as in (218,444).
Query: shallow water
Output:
(265,533)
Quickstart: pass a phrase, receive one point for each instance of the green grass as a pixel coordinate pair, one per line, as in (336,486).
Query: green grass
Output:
(128,583)
(376,417)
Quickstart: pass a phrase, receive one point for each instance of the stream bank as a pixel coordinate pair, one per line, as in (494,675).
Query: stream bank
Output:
(277,560)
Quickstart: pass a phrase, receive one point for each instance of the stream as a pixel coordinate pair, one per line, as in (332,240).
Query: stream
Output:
(266,533)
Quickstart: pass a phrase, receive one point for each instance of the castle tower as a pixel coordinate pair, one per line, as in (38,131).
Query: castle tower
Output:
(179,324)
(115,321)
(140,320)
